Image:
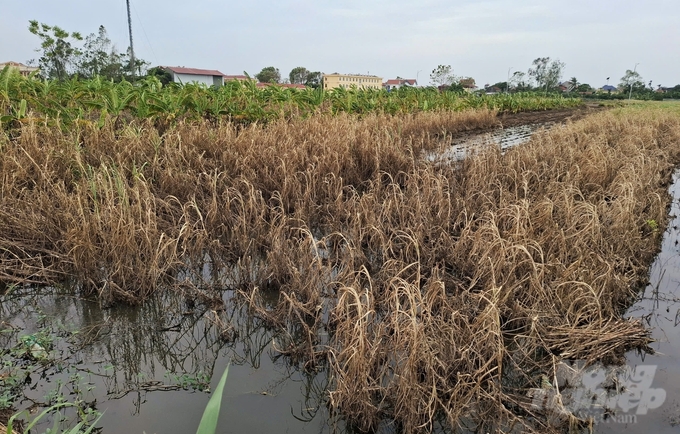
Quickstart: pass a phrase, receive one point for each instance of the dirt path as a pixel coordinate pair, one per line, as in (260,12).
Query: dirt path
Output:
(549,116)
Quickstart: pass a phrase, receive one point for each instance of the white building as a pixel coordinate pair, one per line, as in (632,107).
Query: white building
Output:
(396,83)
(209,77)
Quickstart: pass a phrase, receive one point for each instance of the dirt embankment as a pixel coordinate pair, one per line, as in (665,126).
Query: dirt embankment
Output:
(506,120)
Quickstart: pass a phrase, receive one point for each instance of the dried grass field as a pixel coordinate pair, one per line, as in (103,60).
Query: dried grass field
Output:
(434,295)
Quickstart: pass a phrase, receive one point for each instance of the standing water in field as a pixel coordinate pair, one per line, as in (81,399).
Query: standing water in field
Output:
(505,138)
(149,368)
(659,308)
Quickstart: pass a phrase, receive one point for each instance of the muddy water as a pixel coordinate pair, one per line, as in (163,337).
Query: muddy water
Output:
(659,308)
(150,368)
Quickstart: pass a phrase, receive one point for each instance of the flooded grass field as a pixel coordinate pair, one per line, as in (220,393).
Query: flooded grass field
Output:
(352,285)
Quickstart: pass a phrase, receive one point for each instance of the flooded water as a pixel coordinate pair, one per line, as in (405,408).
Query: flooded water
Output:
(150,368)
(659,308)
(505,138)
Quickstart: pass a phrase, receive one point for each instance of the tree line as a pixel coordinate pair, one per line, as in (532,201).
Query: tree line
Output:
(545,75)
(298,75)
(66,54)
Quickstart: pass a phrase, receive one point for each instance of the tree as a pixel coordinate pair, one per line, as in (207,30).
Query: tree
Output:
(100,58)
(161,74)
(573,84)
(584,88)
(502,85)
(140,66)
(632,80)
(269,75)
(313,80)
(58,55)
(518,81)
(443,75)
(298,75)
(545,73)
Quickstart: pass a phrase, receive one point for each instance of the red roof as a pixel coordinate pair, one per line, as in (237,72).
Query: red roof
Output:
(193,71)
(401,81)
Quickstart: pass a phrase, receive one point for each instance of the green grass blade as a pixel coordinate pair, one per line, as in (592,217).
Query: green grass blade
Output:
(208,423)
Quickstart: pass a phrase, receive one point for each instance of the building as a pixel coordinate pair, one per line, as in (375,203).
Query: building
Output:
(335,80)
(492,90)
(209,77)
(468,84)
(23,69)
(609,88)
(396,83)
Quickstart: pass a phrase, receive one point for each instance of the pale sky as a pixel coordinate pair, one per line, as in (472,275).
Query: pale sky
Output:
(482,39)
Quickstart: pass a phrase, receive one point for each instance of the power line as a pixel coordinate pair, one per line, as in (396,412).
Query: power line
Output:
(148,42)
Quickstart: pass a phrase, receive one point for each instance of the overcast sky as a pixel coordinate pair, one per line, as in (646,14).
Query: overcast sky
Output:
(482,39)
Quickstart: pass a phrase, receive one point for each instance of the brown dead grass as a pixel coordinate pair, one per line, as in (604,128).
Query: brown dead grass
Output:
(433,295)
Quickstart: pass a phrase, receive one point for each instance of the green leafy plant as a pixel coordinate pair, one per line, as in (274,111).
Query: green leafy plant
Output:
(81,428)
(653,225)
(208,424)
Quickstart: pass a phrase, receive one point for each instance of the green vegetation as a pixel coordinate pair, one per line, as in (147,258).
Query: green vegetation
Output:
(208,424)
(34,355)
(81,428)
(93,101)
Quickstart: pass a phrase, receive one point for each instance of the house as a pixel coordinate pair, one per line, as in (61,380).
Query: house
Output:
(492,90)
(468,84)
(23,69)
(609,88)
(566,86)
(396,83)
(209,77)
(335,80)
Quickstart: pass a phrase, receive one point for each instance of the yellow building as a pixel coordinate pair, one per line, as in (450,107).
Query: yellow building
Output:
(23,69)
(331,81)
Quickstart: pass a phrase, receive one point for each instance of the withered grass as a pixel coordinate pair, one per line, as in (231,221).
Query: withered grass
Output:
(432,294)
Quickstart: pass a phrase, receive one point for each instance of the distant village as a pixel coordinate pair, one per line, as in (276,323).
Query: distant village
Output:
(211,77)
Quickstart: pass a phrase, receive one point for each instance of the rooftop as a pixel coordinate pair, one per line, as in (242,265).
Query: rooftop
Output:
(400,81)
(354,75)
(193,71)
(18,65)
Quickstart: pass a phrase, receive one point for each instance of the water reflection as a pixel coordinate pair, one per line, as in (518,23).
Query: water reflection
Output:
(148,366)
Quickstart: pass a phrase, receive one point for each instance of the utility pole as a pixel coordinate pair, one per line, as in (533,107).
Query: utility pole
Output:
(417,73)
(630,94)
(507,83)
(132,48)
